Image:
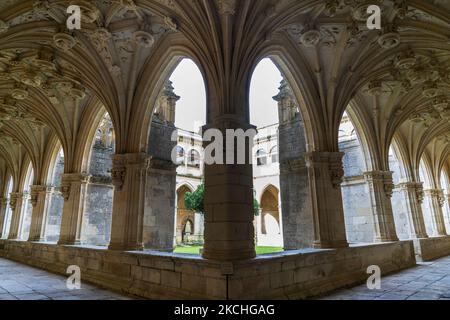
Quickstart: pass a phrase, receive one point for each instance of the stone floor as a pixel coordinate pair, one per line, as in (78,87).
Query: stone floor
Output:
(426,281)
(21,282)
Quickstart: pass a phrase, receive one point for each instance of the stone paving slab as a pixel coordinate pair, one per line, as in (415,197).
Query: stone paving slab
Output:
(22,282)
(426,281)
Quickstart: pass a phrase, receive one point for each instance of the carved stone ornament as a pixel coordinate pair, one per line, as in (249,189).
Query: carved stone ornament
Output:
(389,40)
(64,41)
(143,39)
(310,38)
(65,191)
(3,26)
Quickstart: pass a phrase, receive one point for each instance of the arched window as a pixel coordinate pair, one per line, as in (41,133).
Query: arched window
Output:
(274,154)
(180,155)
(261,157)
(194,158)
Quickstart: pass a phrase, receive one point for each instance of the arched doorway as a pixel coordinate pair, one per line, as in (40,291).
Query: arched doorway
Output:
(269,227)
(184,217)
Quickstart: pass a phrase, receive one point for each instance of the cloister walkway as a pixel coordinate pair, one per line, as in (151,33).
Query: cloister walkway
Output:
(426,281)
(21,282)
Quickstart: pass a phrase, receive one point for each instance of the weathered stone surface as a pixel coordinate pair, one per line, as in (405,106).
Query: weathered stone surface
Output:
(298,274)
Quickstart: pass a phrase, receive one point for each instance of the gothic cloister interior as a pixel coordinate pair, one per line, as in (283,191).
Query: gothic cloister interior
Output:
(350,169)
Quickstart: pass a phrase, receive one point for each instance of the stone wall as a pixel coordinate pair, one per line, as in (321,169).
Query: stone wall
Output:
(96,224)
(357,211)
(400,212)
(56,203)
(359,223)
(315,272)
(26,219)
(353,161)
(293,275)
(432,248)
(427,209)
(159,218)
(295,194)
(54,216)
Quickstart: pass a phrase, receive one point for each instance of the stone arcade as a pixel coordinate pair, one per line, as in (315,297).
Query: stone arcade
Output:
(86,119)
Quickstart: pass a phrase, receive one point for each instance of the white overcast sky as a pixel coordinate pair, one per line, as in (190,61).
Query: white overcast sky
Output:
(188,83)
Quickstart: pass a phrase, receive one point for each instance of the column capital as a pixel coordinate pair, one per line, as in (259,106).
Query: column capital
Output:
(331,160)
(384,177)
(409,185)
(413,186)
(68,179)
(433,192)
(35,190)
(120,163)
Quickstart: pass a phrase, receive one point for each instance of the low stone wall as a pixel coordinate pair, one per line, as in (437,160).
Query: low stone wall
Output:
(432,248)
(309,274)
(291,275)
(150,275)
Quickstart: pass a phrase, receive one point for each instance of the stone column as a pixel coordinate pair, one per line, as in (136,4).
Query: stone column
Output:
(325,173)
(380,190)
(3,207)
(437,203)
(298,222)
(40,199)
(159,204)
(73,189)
(298,226)
(159,223)
(413,195)
(17,202)
(129,180)
(229,231)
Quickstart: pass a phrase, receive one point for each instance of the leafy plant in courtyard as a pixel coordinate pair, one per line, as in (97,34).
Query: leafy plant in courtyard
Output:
(194,201)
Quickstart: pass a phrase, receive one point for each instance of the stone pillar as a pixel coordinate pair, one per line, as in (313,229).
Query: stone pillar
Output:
(159,223)
(413,197)
(380,190)
(40,199)
(129,180)
(437,203)
(73,189)
(17,202)
(3,207)
(229,215)
(298,222)
(298,225)
(325,173)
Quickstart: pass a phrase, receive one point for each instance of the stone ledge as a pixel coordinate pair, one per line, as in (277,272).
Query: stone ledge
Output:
(312,273)
(432,248)
(291,275)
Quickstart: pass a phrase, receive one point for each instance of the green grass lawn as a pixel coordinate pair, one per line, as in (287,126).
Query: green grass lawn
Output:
(196,250)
